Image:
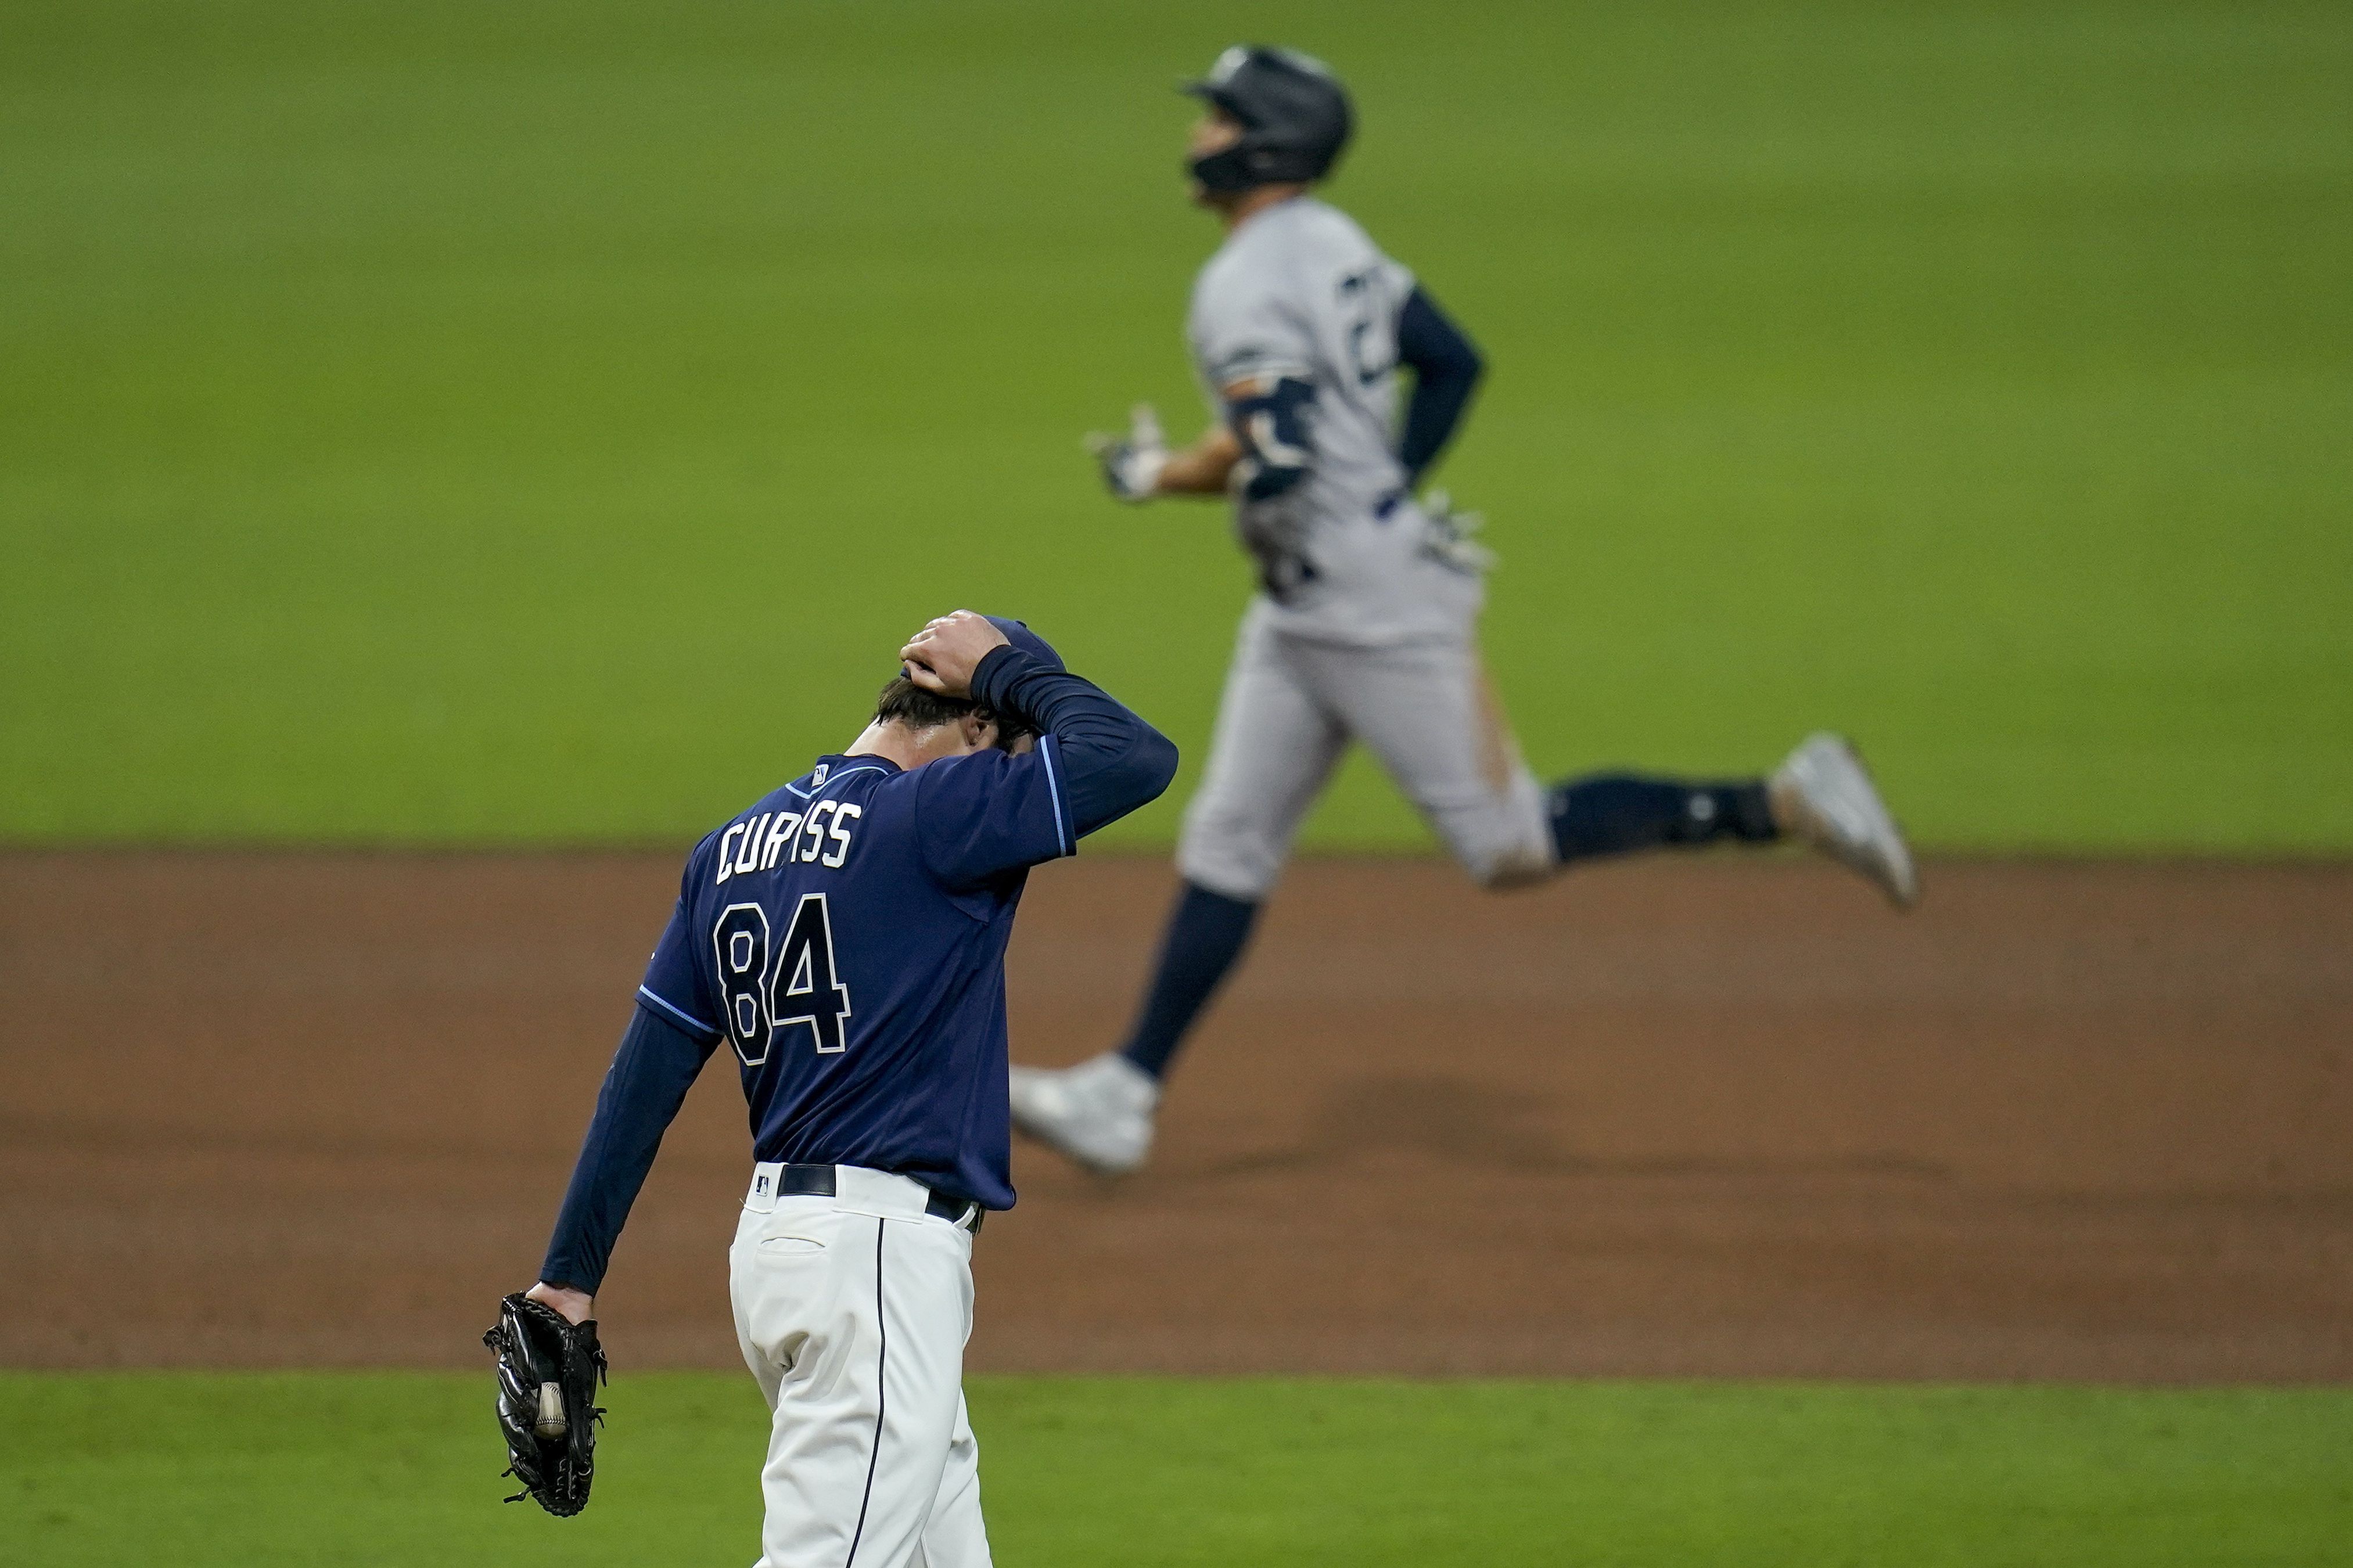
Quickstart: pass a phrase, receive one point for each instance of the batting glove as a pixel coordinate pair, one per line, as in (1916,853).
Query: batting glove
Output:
(1132,465)
(1449,541)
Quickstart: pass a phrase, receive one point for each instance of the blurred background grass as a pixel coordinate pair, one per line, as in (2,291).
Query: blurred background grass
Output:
(389,1469)
(538,423)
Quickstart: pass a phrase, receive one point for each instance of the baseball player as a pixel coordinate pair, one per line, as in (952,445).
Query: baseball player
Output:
(1364,627)
(845,935)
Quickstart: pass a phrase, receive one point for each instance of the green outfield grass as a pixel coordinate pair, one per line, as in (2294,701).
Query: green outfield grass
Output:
(397,1469)
(539,422)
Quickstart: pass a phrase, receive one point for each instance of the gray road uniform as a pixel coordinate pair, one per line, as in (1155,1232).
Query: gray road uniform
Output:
(1365,623)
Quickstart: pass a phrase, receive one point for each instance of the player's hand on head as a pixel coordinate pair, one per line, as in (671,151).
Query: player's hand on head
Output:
(944,654)
(1132,463)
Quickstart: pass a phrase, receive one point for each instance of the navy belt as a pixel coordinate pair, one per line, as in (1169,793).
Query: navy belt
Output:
(817,1182)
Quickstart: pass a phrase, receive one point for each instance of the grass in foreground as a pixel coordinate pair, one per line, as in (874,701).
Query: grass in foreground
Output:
(538,423)
(396,1469)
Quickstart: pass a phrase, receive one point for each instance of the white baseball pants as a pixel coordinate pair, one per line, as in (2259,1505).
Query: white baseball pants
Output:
(1426,710)
(853,1312)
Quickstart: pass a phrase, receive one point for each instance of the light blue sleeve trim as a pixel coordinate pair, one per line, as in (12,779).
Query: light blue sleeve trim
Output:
(688,1020)
(1063,826)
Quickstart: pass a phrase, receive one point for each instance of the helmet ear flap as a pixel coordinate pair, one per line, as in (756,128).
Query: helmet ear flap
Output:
(1226,170)
(1242,166)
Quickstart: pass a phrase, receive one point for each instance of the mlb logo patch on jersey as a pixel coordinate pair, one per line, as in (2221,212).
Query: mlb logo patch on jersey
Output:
(817,776)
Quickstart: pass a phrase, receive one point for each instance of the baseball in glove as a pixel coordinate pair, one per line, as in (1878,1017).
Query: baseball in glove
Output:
(548,1371)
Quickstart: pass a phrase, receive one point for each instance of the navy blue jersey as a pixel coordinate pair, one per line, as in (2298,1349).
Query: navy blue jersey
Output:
(846,936)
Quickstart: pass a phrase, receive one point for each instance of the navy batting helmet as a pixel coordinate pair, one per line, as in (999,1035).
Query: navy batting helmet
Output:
(1293,112)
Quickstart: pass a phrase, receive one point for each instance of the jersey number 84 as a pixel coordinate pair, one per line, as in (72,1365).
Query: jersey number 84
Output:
(773,987)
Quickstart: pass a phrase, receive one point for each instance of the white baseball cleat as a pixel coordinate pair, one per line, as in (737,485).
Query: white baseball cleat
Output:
(1821,795)
(1098,1113)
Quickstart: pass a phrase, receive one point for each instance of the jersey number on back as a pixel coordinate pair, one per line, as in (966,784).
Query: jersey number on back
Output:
(770,988)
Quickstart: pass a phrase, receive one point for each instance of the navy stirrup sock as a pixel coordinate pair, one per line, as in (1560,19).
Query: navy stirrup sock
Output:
(1609,814)
(1206,931)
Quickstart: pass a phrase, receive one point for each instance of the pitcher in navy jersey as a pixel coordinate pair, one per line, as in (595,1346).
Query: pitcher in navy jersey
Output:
(845,937)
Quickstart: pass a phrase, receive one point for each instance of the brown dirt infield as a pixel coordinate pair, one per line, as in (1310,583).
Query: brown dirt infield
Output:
(1696,1117)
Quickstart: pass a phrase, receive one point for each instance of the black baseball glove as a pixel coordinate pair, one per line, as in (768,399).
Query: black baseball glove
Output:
(548,1371)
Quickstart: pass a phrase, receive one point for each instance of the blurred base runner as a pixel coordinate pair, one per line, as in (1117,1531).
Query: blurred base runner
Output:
(1365,625)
